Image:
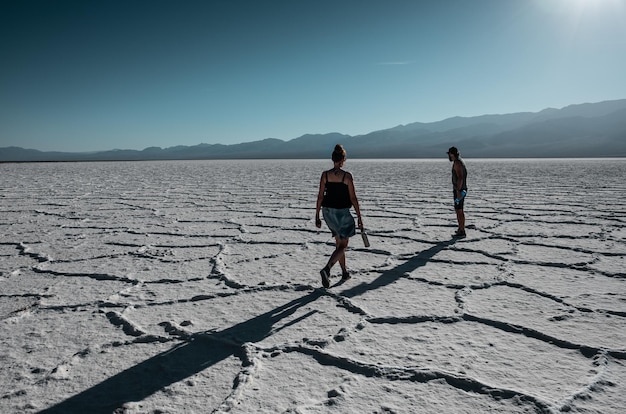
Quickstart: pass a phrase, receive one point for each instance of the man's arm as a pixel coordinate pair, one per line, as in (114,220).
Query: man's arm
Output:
(459,175)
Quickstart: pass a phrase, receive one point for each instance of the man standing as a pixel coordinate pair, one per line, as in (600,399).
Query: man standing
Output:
(459,187)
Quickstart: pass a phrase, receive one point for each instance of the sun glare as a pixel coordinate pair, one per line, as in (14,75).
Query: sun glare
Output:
(584,18)
(582,6)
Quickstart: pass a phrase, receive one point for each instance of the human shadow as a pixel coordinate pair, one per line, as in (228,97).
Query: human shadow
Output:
(182,361)
(391,275)
(207,349)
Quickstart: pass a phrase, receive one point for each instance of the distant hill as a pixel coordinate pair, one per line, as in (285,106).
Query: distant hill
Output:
(585,130)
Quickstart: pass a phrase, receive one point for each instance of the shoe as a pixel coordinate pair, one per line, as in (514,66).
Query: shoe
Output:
(459,234)
(325,272)
(345,276)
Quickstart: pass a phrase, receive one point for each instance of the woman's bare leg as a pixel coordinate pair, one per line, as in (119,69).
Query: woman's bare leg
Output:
(339,255)
(342,259)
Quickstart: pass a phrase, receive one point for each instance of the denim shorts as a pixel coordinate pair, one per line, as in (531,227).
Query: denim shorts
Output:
(339,221)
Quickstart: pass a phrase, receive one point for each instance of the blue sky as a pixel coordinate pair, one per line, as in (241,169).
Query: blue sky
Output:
(96,75)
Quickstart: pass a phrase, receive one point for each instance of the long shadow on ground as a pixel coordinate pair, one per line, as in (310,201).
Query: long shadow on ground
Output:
(207,349)
(178,363)
(392,275)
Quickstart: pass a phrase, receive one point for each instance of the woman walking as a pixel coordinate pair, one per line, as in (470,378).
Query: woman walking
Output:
(335,198)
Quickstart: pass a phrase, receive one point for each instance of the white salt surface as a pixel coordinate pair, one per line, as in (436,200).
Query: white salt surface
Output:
(193,287)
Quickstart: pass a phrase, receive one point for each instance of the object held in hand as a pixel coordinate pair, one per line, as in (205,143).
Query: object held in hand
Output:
(366,241)
(463,193)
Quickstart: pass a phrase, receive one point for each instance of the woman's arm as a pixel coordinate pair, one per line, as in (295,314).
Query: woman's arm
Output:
(320,197)
(354,200)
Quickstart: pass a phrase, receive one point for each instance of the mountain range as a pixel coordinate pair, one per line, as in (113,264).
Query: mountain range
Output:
(581,130)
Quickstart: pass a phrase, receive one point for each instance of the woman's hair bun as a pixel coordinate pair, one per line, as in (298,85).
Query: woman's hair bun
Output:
(339,153)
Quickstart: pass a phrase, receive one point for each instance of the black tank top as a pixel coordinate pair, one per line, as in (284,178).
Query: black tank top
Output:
(336,194)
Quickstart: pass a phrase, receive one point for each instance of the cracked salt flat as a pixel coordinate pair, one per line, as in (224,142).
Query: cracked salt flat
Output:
(193,287)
